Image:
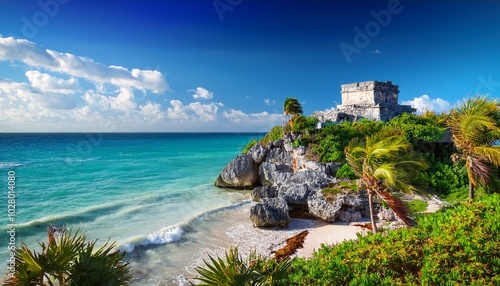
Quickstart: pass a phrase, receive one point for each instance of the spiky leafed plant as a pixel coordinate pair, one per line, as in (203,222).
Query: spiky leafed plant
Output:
(291,108)
(385,162)
(235,270)
(475,128)
(70,260)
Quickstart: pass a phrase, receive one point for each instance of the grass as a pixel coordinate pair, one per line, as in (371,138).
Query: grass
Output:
(416,206)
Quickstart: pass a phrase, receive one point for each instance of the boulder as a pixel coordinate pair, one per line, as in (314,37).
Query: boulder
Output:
(279,156)
(274,173)
(349,215)
(320,208)
(294,193)
(258,153)
(239,173)
(264,192)
(386,215)
(279,143)
(313,179)
(270,212)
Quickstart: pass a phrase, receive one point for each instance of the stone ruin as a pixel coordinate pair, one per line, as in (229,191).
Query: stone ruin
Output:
(369,99)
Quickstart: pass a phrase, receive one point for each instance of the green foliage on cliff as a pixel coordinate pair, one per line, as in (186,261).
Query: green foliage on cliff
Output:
(457,246)
(249,145)
(276,133)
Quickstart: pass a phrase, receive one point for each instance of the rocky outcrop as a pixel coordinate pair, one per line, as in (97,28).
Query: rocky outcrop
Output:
(346,206)
(270,173)
(264,192)
(270,212)
(282,176)
(239,173)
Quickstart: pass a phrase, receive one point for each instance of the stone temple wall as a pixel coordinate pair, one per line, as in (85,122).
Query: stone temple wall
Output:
(370,99)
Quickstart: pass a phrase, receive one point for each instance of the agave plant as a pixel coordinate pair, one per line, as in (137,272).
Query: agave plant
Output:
(234,270)
(385,162)
(70,260)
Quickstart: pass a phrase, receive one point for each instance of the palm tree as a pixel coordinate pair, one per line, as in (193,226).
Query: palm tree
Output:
(475,129)
(384,162)
(291,108)
(70,260)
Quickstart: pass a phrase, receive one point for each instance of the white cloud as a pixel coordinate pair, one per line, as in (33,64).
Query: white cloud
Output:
(270,102)
(49,84)
(34,55)
(376,52)
(262,118)
(202,93)
(194,111)
(424,103)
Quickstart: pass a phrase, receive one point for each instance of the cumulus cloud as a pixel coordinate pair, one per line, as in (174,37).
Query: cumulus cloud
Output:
(193,111)
(424,103)
(33,55)
(49,84)
(202,93)
(262,118)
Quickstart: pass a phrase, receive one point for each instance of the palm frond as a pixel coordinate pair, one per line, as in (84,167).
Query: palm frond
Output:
(397,206)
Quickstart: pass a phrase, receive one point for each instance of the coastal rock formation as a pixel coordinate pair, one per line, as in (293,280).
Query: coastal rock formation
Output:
(270,212)
(264,192)
(239,173)
(282,176)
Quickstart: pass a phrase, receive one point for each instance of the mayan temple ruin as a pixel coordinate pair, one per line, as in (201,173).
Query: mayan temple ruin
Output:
(369,99)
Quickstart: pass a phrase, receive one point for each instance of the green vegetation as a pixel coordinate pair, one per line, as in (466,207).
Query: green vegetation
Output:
(70,260)
(416,206)
(457,246)
(249,145)
(234,270)
(475,127)
(273,135)
(345,172)
(385,162)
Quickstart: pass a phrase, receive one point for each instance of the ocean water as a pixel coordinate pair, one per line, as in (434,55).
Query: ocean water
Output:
(152,193)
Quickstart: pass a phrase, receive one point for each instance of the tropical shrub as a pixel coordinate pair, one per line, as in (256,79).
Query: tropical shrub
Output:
(70,260)
(345,172)
(249,145)
(276,133)
(235,270)
(456,246)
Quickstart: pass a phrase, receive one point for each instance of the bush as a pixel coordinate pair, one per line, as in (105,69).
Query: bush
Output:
(345,172)
(456,246)
(249,145)
(276,133)
(235,270)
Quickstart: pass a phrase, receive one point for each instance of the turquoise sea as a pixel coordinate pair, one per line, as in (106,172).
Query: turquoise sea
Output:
(152,193)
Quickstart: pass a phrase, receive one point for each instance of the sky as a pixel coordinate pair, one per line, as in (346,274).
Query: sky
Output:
(228,65)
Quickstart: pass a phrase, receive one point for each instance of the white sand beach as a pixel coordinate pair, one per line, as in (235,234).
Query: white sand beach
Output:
(327,233)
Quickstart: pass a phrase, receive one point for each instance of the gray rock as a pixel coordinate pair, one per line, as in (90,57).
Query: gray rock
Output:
(320,208)
(349,215)
(274,173)
(313,179)
(258,153)
(386,215)
(270,212)
(294,193)
(278,143)
(264,192)
(279,156)
(239,173)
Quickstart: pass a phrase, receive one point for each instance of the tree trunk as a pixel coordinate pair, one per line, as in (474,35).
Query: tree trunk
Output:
(372,211)
(471,191)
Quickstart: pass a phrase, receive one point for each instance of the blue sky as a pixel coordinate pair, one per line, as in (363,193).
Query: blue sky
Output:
(228,65)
